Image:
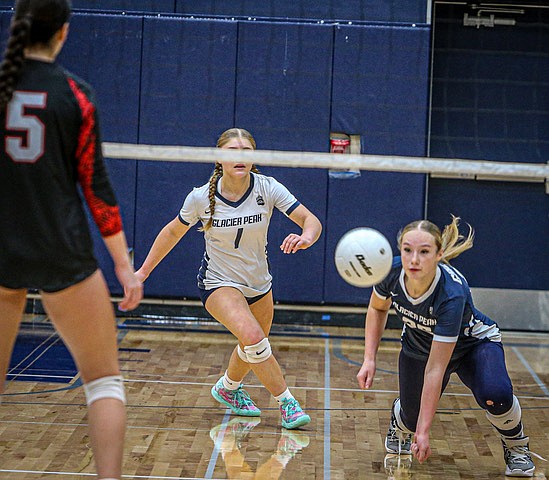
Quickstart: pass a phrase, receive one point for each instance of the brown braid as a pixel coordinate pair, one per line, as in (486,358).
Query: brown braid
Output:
(217,174)
(14,57)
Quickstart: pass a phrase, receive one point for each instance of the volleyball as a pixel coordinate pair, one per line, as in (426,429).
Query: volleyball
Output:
(363,257)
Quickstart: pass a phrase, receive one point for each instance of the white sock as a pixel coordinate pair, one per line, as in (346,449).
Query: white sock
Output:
(282,459)
(285,395)
(230,384)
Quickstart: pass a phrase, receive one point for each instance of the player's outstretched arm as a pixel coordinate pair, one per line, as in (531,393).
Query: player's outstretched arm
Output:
(376,319)
(311,230)
(168,238)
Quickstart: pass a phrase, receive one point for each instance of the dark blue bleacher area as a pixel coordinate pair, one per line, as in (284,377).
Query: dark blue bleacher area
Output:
(179,73)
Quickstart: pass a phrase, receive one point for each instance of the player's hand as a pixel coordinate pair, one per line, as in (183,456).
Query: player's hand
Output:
(366,374)
(420,447)
(133,287)
(294,242)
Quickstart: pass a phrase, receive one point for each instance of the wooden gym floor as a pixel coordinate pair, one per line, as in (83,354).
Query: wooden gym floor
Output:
(177,431)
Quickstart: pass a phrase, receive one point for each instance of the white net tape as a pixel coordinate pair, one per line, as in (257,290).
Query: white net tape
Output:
(479,169)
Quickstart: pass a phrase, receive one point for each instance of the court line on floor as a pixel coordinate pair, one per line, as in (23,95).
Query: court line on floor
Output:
(82,474)
(217,446)
(327,417)
(538,380)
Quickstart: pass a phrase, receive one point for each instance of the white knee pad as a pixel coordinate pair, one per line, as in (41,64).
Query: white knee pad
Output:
(259,352)
(105,387)
(241,354)
(509,419)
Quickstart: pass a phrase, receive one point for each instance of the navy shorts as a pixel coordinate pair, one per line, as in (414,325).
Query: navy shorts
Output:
(204,294)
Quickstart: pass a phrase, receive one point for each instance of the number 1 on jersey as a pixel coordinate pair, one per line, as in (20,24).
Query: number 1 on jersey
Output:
(238,237)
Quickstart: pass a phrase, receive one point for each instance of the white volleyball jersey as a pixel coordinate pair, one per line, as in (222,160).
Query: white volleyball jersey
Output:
(236,243)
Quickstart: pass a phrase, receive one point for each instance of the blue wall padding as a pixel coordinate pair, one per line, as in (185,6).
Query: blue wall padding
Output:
(188,85)
(490,94)
(163,187)
(284,84)
(352,10)
(511,225)
(380,87)
(298,277)
(381,200)
(5,18)
(113,71)
(356,10)
(164,6)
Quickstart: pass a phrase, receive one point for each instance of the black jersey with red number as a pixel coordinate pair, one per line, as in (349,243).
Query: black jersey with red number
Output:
(50,146)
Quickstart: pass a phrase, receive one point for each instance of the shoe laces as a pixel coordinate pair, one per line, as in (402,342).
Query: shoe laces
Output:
(400,436)
(290,408)
(522,454)
(242,397)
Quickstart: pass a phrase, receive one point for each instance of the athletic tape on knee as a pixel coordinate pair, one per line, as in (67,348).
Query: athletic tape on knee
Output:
(399,423)
(508,420)
(259,352)
(105,387)
(241,354)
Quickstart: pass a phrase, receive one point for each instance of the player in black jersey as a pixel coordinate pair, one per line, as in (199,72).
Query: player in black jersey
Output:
(50,145)
(443,333)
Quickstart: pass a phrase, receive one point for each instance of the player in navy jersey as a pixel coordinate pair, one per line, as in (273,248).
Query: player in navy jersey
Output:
(50,145)
(234,280)
(443,333)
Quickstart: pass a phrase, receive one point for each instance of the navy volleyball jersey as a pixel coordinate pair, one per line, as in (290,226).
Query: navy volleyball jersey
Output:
(50,145)
(444,313)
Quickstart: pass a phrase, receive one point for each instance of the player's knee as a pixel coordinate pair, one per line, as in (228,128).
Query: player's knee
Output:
(496,401)
(259,352)
(509,417)
(105,387)
(242,354)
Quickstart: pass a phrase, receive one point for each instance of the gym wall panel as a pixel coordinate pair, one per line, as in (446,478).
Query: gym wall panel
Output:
(380,92)
(511,224)
(299,277)
(164,6)
(5,18)
(283,97)
(187,98)
(380,87)
(381,200)
(188,85)
(283,85)
(113,71)
(351,10)
(163,187)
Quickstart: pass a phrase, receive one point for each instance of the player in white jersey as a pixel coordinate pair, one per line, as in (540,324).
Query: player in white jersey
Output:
(443,333)
(234,281)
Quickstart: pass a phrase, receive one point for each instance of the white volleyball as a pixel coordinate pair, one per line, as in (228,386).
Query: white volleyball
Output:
(363,257)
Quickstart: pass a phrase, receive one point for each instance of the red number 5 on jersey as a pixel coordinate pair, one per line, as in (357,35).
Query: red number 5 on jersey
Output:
(27,148)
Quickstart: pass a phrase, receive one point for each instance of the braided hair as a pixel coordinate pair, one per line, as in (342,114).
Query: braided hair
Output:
(34,22)
(218,170)
(450,240)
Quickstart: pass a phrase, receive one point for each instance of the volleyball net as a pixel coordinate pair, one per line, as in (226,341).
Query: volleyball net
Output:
(452,168)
